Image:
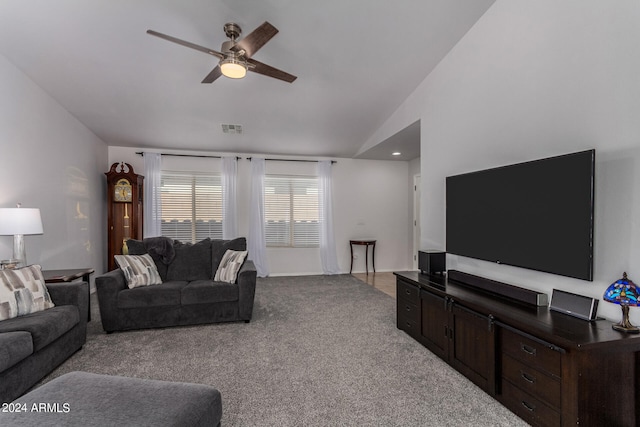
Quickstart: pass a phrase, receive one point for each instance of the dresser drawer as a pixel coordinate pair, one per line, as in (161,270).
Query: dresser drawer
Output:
(408,311)
(531,353)
(411,328)
(536,383)
(407,292)
(527,407)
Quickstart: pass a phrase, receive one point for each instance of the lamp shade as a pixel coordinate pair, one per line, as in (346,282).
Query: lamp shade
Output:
(15,221)
(622,291)
(625,293)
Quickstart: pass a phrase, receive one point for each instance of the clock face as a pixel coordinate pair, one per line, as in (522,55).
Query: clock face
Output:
(122,191)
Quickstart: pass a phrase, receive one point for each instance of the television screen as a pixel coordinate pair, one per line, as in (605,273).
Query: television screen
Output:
(536,215)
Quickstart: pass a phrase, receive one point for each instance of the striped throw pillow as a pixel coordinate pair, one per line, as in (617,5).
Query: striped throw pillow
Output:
(139,270)
(229,266)
(22,291)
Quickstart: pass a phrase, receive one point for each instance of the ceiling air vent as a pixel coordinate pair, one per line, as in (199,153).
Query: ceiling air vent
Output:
(232,129)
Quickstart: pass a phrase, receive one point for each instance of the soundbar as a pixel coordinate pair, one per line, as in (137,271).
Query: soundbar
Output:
(517,293)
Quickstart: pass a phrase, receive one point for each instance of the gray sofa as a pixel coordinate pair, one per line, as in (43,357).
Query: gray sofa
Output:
(33,345)
(187,295)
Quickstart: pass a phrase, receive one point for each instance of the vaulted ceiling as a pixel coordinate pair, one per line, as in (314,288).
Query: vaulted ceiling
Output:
(356,61)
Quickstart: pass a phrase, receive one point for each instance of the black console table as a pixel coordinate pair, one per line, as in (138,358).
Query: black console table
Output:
(549,368)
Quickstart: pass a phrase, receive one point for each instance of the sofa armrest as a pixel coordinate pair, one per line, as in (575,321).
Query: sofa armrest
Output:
(72,293)
(247,289)
(108,286)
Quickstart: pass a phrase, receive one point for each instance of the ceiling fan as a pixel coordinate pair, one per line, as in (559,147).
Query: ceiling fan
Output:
(235,58)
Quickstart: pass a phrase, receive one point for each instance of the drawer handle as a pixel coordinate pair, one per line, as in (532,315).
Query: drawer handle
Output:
(527,349)
(527,378)
(407,308)
(407,291)
(528,406)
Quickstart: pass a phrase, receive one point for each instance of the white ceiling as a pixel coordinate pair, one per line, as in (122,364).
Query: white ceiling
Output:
(356,61)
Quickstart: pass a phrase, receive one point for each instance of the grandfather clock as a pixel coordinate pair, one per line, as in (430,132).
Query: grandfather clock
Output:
(124,202)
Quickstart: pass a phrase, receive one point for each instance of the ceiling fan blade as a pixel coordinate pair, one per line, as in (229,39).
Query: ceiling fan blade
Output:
(256,39)
(213,75)
(267,70)
(186,43)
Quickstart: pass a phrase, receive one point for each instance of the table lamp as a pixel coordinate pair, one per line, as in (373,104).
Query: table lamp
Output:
(17,222)
(625,293)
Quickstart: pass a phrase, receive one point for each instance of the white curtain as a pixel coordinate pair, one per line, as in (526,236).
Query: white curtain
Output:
(229,207)
(152,203)
(328,256)
(256,241)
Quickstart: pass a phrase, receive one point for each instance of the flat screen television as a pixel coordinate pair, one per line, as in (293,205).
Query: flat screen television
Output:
(536,215)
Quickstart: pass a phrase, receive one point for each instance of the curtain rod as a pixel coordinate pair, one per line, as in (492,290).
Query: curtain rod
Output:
(294,160)
(140,153)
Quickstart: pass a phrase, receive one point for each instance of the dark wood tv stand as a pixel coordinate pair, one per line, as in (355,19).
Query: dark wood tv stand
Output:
(549,368)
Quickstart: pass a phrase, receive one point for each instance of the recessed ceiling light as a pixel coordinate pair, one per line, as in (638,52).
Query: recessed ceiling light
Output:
(396,153)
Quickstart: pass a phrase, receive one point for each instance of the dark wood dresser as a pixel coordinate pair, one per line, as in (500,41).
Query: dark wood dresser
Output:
(549,368)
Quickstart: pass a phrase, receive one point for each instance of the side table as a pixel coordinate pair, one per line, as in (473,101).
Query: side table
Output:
(366,243)
(69,275)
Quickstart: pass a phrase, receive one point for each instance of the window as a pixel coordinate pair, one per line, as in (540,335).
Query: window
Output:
(291,211)
(191,206)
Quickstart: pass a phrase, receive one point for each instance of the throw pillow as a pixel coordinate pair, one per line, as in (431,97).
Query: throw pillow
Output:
(229,266)
(139,247)
(23,291)
(220,247)
(139,270)
(192,261)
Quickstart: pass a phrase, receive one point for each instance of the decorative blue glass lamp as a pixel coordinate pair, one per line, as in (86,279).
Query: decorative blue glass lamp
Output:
(625,293)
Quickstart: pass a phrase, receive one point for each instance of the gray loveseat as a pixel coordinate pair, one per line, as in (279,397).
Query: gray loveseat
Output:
(188,294)
(33,345)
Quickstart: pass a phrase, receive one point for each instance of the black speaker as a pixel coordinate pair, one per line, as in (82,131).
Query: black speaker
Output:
(574,305)
(432,262)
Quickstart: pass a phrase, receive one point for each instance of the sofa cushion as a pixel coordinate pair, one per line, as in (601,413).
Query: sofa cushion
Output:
(44,326)
(22,291)
(191,261)
(208,291)
(165,294)
(229,266)
(139,270)
(220,247)
(14,347)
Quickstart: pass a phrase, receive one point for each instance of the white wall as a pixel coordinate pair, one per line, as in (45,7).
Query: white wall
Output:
(370,199)
(532,80)
(52,162)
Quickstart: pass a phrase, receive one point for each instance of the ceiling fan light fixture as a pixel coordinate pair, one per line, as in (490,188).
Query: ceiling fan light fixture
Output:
(232,68)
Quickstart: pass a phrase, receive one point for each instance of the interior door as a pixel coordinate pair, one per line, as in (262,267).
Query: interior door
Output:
(416,220)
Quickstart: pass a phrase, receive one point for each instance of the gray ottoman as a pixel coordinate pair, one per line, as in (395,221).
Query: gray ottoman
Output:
(85,399)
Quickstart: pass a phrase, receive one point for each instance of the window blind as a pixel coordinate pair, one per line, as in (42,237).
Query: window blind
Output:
(291,211)
(191,206)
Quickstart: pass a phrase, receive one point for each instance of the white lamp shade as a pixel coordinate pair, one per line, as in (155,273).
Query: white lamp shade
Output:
(20,221)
